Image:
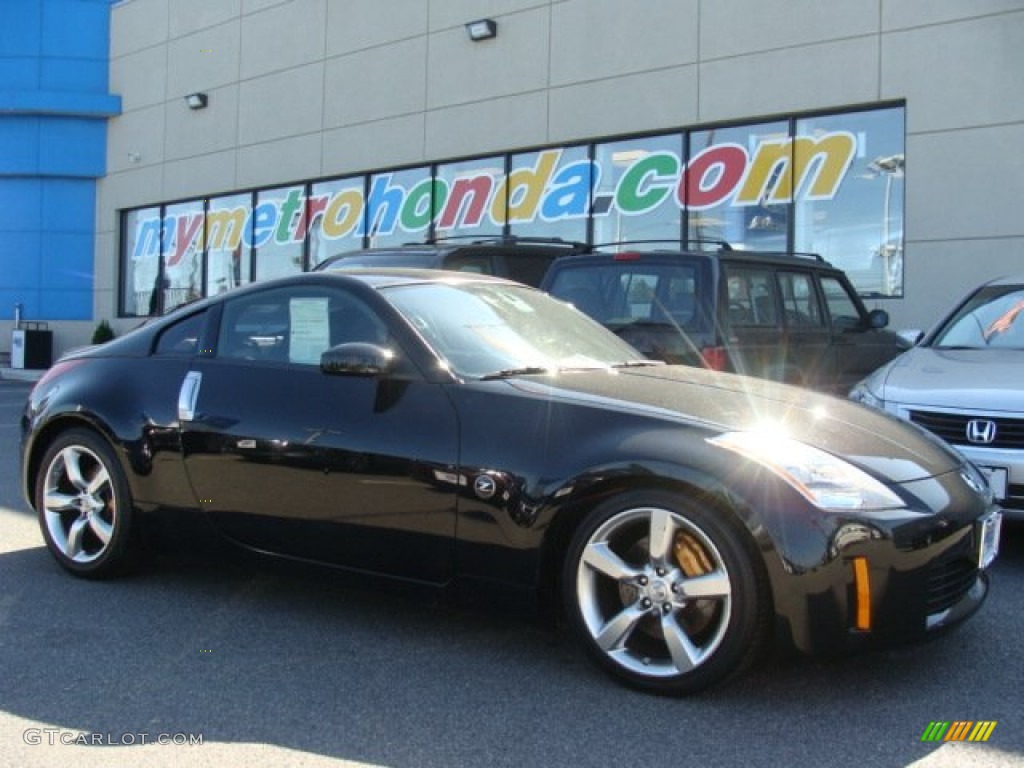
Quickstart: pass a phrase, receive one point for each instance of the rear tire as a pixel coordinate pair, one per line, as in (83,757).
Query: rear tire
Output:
(84,505)
(665,593)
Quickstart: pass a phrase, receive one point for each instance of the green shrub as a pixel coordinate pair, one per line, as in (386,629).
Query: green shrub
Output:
(103,333)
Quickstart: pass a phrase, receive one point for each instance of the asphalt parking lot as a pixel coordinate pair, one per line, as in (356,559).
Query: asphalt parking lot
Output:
(276,666)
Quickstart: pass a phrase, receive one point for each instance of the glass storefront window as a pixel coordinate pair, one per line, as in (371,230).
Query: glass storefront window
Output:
(859,227)
(470,198)
(634,198)
(336,218)
(278,231)
(732,186)
(399,207)
(828,184)
(182,254)
(140,262)
(549,193)
(228,243)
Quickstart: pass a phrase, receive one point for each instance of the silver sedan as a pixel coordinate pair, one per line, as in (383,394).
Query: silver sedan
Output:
(964,381)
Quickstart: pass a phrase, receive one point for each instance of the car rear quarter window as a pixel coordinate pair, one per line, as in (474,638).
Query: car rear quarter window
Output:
(182,338)
(295,326)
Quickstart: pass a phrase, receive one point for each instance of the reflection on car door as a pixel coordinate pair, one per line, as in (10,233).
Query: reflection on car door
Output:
(339,469)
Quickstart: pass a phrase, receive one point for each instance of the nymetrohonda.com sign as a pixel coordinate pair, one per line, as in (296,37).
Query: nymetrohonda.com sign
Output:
(775,171)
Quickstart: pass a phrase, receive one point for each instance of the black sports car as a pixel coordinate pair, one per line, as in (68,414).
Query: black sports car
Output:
(475,433)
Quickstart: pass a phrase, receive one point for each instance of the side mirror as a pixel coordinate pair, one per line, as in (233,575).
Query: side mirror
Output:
(357,359)
(878,319)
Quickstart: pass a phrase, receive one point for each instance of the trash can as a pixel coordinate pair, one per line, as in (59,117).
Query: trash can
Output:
(32,346)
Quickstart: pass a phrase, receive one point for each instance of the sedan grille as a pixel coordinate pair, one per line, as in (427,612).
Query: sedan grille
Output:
(954,428)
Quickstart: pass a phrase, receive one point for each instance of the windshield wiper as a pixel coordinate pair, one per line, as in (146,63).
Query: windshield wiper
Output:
(639,364)
(526,370)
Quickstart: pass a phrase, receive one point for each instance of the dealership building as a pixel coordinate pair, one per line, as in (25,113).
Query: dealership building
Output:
(156,151)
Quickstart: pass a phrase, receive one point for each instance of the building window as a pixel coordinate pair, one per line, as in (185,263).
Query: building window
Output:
(549,193)
(140,263)
(228,243)
(336,214)
(635,196)
(829,184)
(278,231)
(399,207)
(470,198)
(859,226)
(733,188)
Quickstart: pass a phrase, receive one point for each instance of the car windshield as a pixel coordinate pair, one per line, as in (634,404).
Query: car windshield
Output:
(493,329)
(993,318)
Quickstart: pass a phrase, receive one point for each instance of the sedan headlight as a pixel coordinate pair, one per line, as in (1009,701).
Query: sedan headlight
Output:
(825,480)
(862,393)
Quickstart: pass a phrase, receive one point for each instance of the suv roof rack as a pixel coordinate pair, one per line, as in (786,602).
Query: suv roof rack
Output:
(722,244)
(795,254)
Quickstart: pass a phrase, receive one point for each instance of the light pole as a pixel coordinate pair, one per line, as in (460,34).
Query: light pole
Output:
(890,166)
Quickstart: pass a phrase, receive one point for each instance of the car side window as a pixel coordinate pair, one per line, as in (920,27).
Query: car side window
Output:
(182,338)
(478,264)
(295,325)
(841,306)
(752,298)
(799,300)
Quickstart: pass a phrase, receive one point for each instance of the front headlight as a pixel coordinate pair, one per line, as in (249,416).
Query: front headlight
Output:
(825,480)
(862,393)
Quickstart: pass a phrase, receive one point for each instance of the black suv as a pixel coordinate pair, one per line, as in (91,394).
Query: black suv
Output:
(523,259)
(787,317)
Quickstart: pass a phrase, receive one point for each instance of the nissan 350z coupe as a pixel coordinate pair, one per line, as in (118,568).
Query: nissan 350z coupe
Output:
(474,433)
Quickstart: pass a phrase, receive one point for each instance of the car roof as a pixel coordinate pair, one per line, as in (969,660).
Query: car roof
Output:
(776,258)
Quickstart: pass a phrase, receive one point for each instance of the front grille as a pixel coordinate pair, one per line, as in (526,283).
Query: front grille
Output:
(948,581)
(1014,497)
(952,427)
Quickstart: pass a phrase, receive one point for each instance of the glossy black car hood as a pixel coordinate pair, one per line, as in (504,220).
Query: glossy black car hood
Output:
(719,402)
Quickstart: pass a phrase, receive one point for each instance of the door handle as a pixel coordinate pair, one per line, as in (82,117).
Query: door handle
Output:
(188,395)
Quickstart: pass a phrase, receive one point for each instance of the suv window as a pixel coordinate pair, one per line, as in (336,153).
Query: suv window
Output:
(752,298)
(841,306)
(620,294)
(763,314)
(800,300)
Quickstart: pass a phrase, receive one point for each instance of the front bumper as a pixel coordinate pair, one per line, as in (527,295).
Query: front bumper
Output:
(887,579)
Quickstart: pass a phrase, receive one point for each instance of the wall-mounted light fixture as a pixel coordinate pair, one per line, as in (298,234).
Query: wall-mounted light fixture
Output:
(482,29)
(197,100)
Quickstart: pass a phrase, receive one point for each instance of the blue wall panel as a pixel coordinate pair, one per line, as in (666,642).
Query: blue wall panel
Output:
(72,147)
(19,145)
(54,107)
(21,32)
(69,205)
(21,260)
(20,204)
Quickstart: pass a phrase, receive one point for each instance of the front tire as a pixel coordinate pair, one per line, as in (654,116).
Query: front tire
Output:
(665,593)
(84,505)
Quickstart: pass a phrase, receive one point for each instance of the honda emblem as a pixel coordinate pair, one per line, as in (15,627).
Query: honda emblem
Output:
(981,431)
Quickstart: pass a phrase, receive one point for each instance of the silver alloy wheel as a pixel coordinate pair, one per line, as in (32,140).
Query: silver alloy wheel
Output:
(640,606)
(79,504)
